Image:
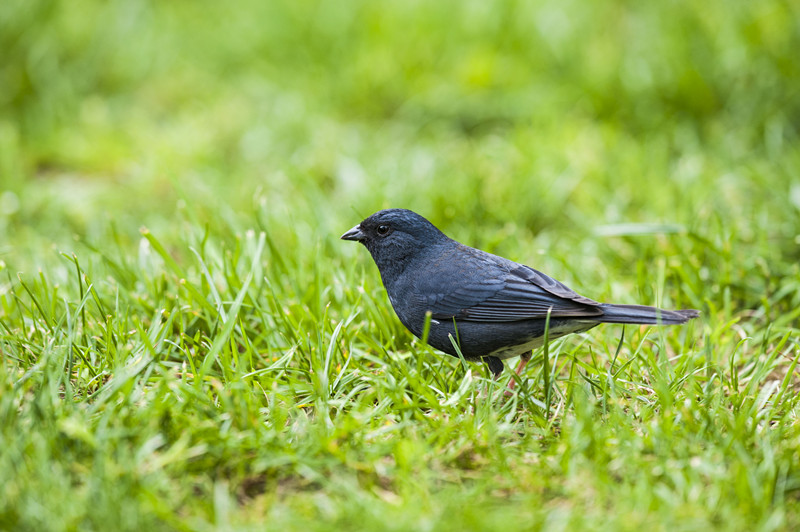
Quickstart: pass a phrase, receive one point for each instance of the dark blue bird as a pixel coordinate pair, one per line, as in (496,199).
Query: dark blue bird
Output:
(492,307)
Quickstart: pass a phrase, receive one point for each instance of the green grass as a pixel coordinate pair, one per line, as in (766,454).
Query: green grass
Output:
(187,345)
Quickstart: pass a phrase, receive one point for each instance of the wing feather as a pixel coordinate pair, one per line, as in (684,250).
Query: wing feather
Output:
(522,294)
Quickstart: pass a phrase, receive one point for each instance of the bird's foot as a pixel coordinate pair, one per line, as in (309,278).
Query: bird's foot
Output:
(523,360)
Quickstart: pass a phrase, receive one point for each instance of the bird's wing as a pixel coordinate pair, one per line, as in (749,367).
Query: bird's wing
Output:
(520,294)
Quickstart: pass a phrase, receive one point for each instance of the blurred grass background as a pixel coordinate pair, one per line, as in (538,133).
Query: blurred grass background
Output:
(640,152)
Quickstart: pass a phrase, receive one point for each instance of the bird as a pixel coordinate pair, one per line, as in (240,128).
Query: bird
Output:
(487,307)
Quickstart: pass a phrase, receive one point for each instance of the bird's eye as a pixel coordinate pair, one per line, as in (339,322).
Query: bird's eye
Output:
(383,230)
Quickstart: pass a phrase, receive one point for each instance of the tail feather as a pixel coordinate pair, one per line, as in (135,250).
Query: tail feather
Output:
(640,314)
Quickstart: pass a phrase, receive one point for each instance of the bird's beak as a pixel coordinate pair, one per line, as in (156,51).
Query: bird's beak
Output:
(354,234)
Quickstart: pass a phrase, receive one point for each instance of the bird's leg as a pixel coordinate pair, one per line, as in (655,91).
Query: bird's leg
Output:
(495,366)
(523,360)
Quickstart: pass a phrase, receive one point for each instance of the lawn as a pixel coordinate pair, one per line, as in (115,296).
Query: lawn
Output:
(186,344)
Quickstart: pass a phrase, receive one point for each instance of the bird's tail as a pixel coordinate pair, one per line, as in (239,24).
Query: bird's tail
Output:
(645,315)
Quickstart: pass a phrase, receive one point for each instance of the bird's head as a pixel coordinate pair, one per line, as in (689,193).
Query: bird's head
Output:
(393,236)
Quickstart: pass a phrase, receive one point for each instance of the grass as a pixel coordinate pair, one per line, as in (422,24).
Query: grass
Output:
(186,344)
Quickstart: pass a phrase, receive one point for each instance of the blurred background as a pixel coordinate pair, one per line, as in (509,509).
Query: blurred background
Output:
(502,122)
